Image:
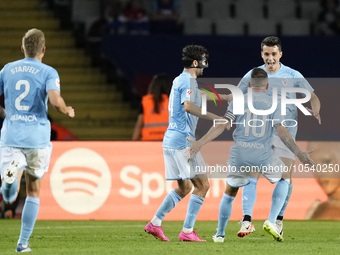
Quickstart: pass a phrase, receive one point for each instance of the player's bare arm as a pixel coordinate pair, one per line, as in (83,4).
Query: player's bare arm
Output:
(59,104)
(316,105)
(193,109)
(2,112)
(214,132)
(211,135)
(288,140)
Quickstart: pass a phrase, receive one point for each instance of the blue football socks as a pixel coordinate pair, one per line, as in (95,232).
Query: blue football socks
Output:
(290,189)
(278,199)
(194,206)
(29,216)
(169,202)
(226,206)
(9,191)
(249,196)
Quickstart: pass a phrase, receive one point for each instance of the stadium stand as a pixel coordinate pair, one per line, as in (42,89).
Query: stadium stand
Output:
(215,9)
(281,9)
(188,9)
(310,10)
(262,27)
(249,10)
(295,27)
(198,27)
(230,27)
(101,112)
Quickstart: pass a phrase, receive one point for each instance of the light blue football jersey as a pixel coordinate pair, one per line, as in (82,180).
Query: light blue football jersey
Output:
(181,124)
(253,136)
(25,84)
(284,77)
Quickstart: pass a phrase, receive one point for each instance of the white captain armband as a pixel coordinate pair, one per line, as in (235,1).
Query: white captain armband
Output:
(230,116)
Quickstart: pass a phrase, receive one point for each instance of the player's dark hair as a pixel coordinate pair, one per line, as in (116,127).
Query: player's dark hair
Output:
(257,76)
(191,53)
(271,41)
(160,84)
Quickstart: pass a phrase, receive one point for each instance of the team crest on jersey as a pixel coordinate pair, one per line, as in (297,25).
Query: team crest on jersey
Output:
(57,82)
(188,94)
(285,81)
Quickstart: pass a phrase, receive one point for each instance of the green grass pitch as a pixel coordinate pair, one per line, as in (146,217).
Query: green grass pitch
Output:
(128,237)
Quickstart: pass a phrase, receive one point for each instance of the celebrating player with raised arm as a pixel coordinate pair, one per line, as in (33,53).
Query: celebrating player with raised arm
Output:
(184,111)
(280,76)
(252,148)
(25,135)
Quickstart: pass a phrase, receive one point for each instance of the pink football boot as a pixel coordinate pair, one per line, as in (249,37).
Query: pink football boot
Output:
(156,232)
(190,237)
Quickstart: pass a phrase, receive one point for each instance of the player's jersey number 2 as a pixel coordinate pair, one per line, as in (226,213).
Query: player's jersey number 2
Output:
(24,94)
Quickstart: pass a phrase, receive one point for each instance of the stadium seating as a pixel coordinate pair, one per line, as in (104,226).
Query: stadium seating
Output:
(281,9)
(262,27)
(230,27)
(188,9)
(249,10)
(310,10)
(295,27)
(213,9)
(198,27)
(84,9)
(100,112)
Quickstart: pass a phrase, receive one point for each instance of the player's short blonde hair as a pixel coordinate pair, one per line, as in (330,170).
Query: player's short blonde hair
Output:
(33,42)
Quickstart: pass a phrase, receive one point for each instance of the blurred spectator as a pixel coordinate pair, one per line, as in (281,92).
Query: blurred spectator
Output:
(165,16)
(112,9)
(329,18)
(134,18)
(153,117)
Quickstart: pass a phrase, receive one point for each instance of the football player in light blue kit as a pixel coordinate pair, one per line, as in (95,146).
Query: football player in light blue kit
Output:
(253,138)
(25,135)
(280,76)
(184,111)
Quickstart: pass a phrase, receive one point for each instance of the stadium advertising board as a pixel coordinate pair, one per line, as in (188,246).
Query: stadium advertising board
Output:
(125,181)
